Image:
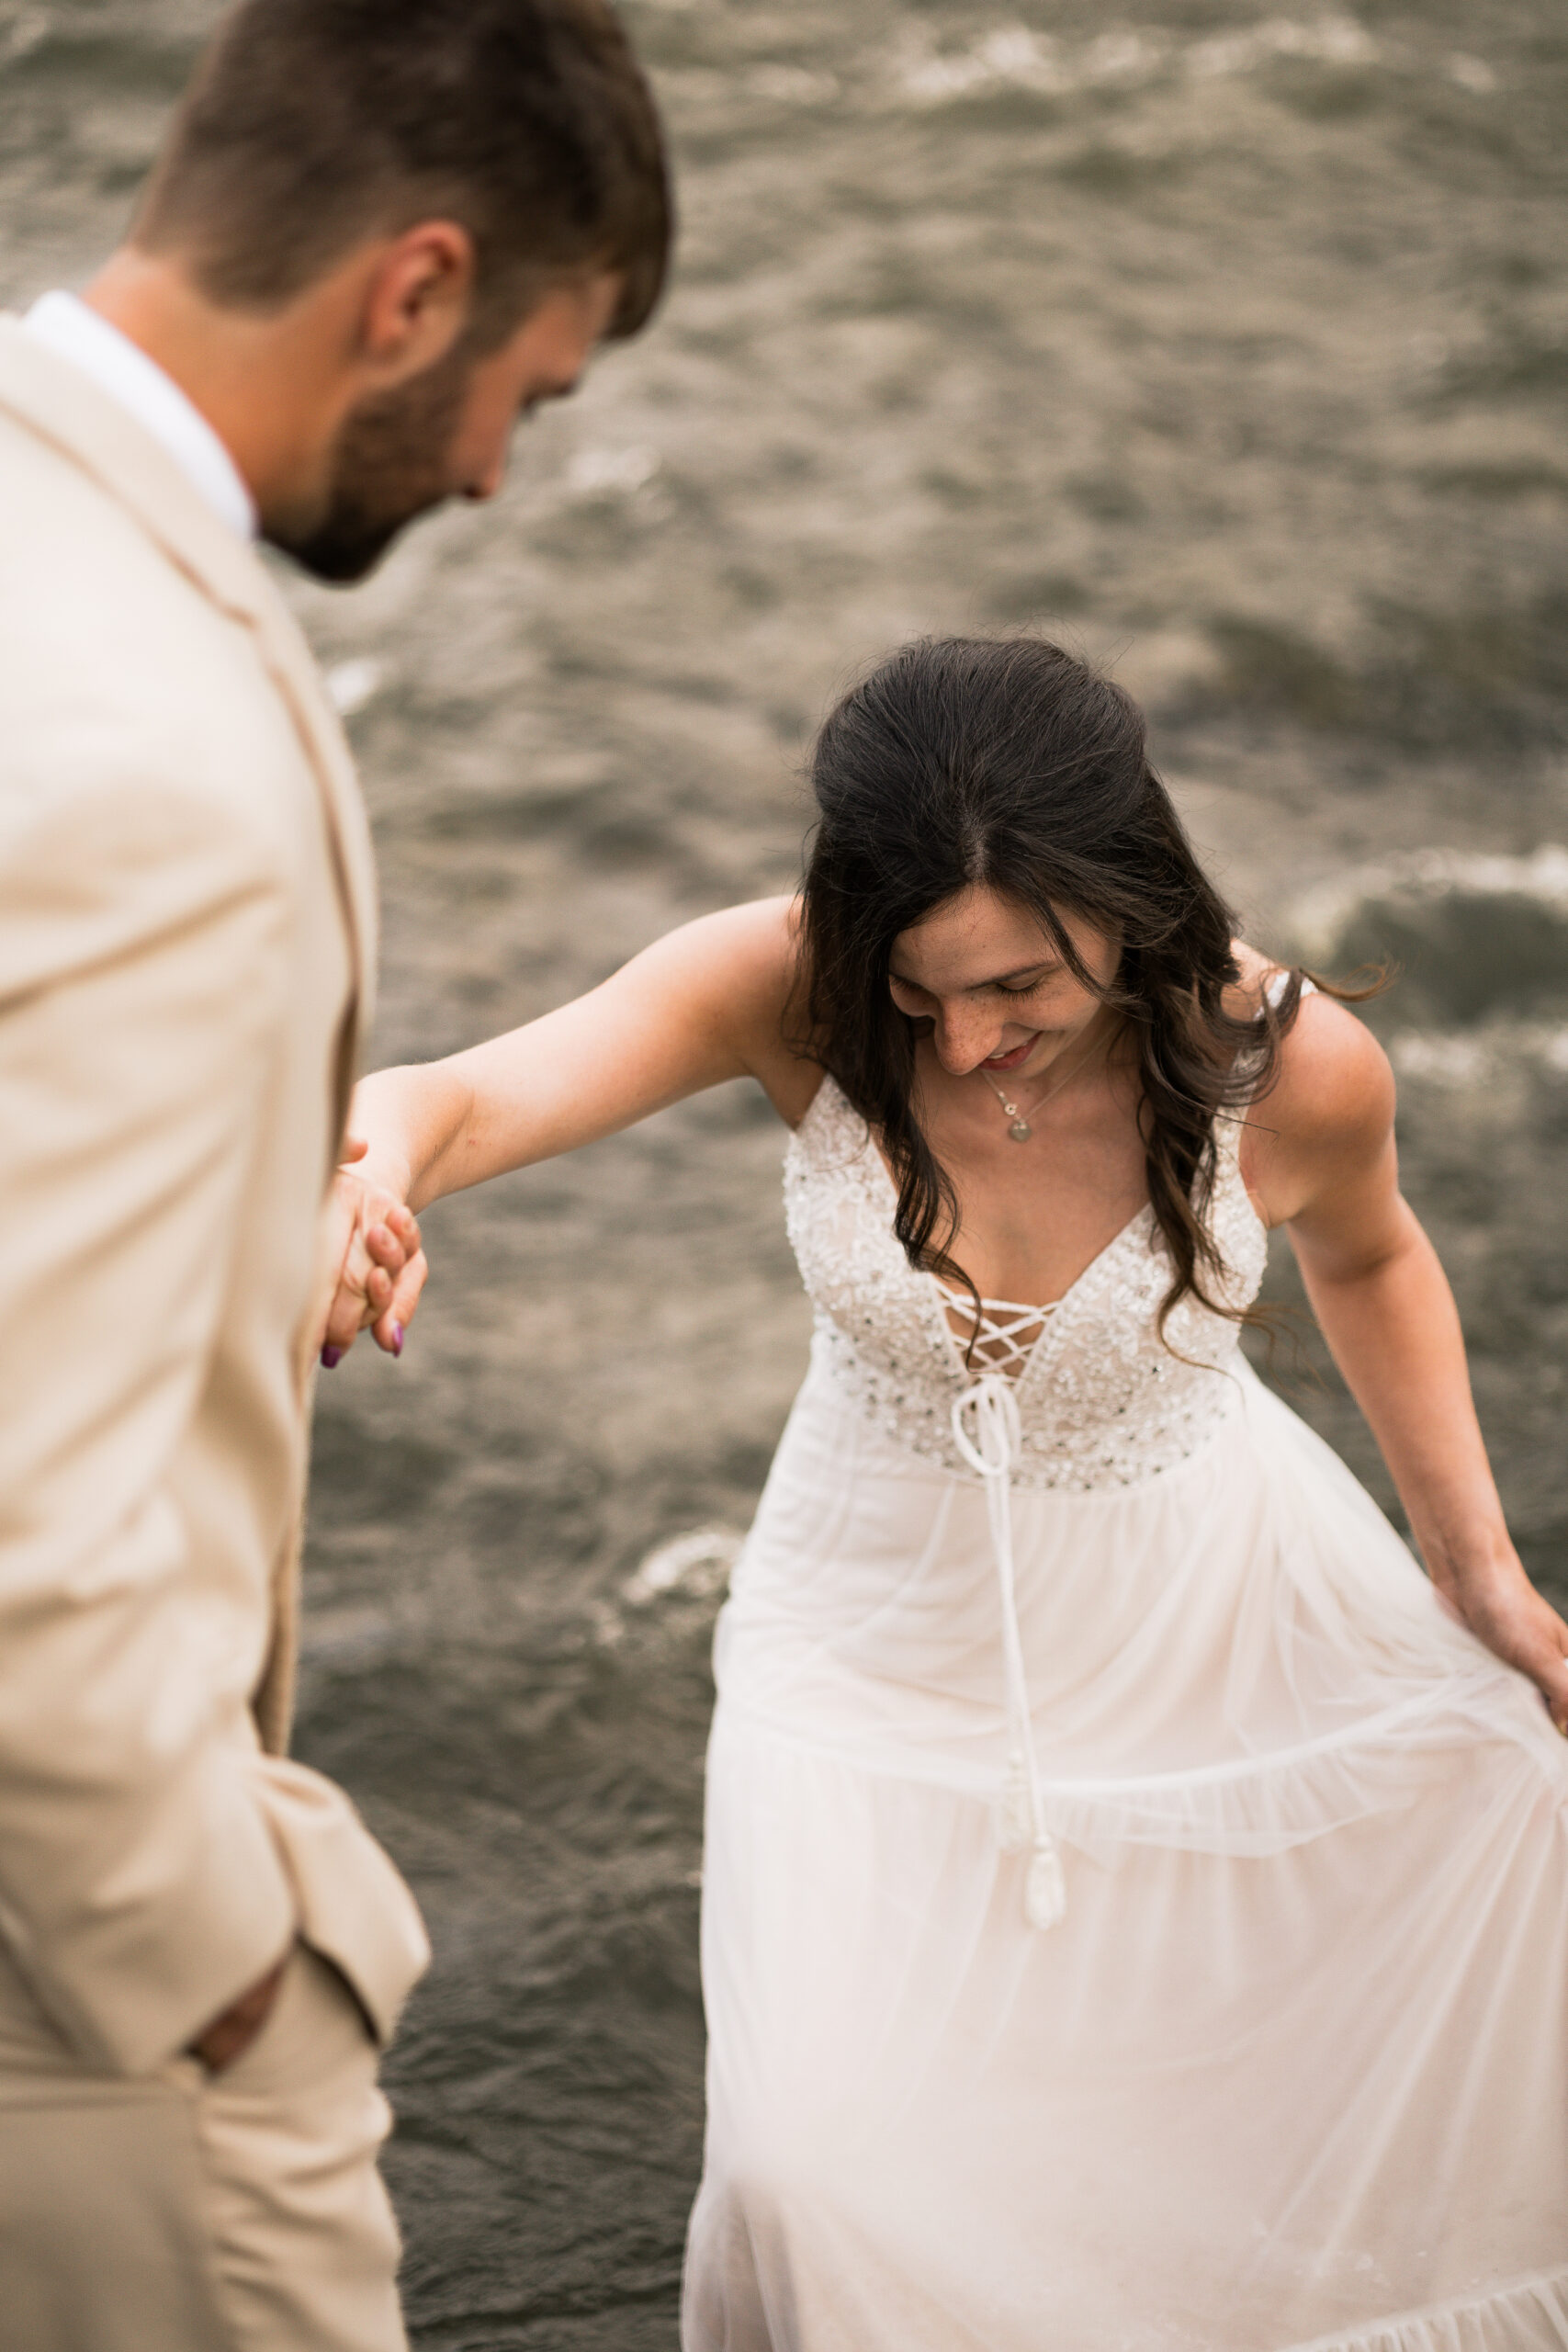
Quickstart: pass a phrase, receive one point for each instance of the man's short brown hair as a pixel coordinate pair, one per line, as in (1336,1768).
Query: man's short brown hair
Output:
(312,124)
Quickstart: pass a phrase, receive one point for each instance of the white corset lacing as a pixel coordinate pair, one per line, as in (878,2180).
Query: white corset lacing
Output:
(989,1435)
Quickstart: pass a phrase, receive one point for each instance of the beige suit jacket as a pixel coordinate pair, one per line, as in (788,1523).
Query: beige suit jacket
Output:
(186,933)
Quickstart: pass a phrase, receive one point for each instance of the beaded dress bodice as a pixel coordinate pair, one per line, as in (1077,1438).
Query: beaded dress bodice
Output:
(1102,1400)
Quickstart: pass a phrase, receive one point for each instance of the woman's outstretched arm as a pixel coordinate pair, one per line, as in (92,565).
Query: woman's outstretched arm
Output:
(1321,1160)
(702,1005)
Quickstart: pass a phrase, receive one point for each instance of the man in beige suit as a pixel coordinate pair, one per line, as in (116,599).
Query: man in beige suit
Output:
(376,236)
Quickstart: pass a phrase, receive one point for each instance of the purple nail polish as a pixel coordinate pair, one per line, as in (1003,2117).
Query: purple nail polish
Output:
(397,1338)
(332,1357)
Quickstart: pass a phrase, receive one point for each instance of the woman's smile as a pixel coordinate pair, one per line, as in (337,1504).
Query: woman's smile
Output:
(1015,1056)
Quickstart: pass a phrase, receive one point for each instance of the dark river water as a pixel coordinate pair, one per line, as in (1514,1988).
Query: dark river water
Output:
(1233,344)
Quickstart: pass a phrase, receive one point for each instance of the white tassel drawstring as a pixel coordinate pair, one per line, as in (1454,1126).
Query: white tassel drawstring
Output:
(993,1450)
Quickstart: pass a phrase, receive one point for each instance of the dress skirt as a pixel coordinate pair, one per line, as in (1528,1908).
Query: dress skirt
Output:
(1290,2074)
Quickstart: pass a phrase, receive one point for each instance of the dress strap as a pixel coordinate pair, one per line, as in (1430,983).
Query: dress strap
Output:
(1274,987)
(988,1434)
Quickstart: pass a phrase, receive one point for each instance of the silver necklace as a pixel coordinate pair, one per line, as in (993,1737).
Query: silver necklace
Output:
(1019,1127)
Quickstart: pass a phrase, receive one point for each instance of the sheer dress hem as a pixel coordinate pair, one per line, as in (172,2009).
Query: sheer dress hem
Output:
(1531,2315)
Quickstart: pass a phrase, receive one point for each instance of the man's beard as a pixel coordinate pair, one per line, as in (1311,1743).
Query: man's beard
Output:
(391,463)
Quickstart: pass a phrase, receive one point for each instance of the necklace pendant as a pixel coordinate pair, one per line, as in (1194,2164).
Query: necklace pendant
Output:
(1020,1131)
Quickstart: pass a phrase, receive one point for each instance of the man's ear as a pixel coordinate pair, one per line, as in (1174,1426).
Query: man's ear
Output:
(417,301)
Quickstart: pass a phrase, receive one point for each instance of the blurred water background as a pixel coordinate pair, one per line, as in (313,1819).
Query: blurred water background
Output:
(1235,347)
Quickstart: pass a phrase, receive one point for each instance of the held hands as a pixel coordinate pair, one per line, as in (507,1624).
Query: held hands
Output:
(381,1266)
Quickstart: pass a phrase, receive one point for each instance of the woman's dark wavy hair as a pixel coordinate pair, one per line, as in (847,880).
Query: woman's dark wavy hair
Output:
(1010,763)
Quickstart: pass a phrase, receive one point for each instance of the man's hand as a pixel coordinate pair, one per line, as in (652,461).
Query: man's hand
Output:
(382,1268)
(230,2036)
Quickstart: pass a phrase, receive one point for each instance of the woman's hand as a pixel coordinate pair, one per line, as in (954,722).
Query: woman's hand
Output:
(1503,1609)
(381,1268)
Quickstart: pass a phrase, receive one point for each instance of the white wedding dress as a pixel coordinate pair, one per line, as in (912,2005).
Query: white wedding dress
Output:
(1136,1914)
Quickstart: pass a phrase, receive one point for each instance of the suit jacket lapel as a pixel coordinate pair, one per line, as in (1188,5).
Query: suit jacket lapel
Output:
(293,669)
(63,407)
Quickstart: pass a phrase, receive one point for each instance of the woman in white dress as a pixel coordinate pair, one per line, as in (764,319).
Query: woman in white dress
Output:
(1135,1903)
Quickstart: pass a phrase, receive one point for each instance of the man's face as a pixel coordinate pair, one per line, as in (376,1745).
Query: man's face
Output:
(443,434)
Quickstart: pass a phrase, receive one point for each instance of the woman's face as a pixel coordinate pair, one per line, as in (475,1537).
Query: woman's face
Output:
(994,988)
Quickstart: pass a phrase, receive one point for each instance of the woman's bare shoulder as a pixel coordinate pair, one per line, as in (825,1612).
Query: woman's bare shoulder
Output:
(751,949)
(1332,1096)
(746,962)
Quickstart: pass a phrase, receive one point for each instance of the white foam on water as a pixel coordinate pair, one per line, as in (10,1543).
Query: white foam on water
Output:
(600,473)
(1327,40)
(351,685)
(1460,1058)
(1319,918)
(1441,1058)
(1013,55)
(697,1563)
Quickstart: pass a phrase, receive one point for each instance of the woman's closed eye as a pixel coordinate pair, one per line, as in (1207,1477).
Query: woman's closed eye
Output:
(1015,986)
(1024,983)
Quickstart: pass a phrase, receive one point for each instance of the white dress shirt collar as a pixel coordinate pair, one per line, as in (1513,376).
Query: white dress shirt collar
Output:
(121,369)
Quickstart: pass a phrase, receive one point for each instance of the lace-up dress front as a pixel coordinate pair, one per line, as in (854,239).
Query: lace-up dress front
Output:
(1135,1915)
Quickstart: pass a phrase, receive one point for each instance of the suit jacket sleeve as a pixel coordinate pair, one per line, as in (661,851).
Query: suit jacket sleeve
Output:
(143,961)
